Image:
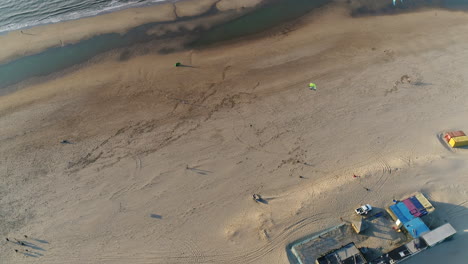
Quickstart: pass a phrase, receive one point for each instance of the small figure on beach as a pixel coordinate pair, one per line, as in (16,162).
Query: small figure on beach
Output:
(65,141)
(256,197)
(16,250)
(20,242)
(7,239)
(356,176)
(25,236)
(178,64)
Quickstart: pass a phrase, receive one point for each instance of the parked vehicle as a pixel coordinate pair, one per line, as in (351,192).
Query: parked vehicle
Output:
(364,209)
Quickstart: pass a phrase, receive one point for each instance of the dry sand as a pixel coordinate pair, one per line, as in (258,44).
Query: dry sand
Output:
(164,160)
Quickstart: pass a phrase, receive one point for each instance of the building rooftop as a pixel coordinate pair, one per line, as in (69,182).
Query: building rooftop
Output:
(415,207)
(347,254)
(401,212)
(439,234)
(416,227)
(410,208)
(424,202)
(400,253)
(359,226)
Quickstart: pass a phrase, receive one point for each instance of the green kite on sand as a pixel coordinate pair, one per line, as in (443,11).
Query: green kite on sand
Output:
(312,86)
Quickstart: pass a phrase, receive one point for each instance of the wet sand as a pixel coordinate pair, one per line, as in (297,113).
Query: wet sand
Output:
(164,160)
(36,39)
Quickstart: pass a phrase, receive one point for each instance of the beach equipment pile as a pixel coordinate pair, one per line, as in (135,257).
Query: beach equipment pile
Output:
(456,139)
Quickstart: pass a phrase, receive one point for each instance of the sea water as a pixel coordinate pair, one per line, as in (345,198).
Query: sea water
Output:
(19,14)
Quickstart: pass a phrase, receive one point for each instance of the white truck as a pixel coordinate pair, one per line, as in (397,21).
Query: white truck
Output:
(364,209)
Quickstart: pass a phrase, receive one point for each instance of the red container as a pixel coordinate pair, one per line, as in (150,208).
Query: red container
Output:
(450,135)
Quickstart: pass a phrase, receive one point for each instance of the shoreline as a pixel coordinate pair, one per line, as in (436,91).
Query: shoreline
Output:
(95,13)
(20,43)
(209,25)
(35,39)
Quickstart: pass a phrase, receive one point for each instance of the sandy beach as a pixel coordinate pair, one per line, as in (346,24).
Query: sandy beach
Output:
(162,161)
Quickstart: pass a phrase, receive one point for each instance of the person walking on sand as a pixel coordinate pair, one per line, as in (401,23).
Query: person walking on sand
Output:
(20,242)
